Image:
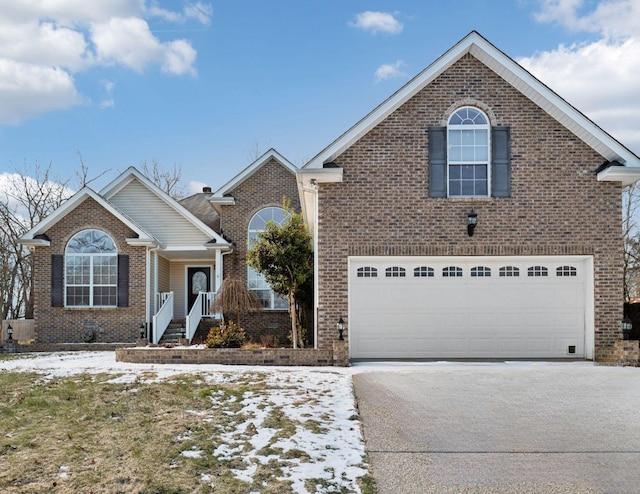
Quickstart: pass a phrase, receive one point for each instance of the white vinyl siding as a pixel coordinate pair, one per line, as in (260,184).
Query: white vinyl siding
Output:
(155,215)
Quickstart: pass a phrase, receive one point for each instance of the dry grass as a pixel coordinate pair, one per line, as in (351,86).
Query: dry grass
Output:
(91,434)
(88,435)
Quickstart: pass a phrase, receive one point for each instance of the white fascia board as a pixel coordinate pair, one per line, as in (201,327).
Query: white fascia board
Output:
(250,170)
(320,175)
(224,201)
(34,242)
(121,181)
(509,70)
(73,202)
(141,242)
(626,174)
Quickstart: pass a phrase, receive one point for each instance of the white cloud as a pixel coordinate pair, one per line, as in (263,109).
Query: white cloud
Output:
(377,22)
(27,90)
(198,11)
(391,71)
(43,43)
(195,187)
(107,100)
(602,77)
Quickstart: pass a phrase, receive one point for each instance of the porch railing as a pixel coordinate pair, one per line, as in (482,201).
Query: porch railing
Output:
(201,309)
(163,317)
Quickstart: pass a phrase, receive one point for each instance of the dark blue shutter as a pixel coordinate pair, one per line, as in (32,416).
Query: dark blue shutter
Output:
(123,280)
(500,162)
(437,161)
(57,280)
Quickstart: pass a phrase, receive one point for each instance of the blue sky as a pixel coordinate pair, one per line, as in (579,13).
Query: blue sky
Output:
(204,84)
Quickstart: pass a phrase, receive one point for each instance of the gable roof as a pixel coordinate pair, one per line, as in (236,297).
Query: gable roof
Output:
(508,69)
(132,173)
(29,238)
(220,195)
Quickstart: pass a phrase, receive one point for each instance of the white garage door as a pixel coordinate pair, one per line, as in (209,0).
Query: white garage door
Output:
(470,307)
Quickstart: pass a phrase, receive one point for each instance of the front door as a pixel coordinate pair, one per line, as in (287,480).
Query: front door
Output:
(198,280)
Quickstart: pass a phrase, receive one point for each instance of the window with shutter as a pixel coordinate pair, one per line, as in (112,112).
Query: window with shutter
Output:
(469,158)
(91,270)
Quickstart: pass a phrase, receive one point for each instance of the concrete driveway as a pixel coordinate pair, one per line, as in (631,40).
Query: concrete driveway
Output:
(525,427)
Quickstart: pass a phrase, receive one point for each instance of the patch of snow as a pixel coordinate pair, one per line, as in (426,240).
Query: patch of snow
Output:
(192,453)
(331,445)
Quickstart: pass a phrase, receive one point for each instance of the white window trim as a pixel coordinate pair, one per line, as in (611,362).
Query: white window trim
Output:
(253,274)
(488,162)
(91,283)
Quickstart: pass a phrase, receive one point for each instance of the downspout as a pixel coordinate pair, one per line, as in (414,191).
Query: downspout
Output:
(149,289)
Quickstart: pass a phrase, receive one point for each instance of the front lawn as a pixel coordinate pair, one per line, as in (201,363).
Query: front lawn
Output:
(198,432)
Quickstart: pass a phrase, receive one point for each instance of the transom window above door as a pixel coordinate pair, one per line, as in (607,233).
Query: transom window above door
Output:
(468,153)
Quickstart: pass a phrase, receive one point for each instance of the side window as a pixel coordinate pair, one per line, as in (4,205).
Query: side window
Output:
(91,270)
(452,272)
(367,272)
(255,280)
(423,272)
(395,272)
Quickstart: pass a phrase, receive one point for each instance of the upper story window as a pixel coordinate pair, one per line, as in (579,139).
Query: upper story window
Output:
(468,153)
(469,157)
(395,272)
(91,270)
(255,280)
(367,272)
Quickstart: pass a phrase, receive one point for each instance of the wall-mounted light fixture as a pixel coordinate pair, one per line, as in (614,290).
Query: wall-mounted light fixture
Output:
(472,221)
(9,332)
(340,328)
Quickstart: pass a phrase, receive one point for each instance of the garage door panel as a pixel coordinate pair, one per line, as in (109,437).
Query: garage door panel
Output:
(440,317)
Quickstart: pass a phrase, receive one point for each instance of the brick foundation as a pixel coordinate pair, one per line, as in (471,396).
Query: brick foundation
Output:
(232,356)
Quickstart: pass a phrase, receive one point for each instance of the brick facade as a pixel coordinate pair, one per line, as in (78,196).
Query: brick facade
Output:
(556,207)
(266,187)
(66,325)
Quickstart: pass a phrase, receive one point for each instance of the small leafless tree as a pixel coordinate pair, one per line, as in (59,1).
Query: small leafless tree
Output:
(235,298)
(167,179)
(27,196)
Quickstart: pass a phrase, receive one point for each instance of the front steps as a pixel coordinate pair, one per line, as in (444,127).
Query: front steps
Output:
(176,330)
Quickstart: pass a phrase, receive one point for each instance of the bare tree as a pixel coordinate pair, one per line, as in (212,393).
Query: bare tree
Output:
(82,175)
(631,235)
(167,180)
(26,198)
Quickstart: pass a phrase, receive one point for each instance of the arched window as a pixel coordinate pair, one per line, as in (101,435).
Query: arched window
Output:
(468,153)
(91,270)
(255,280)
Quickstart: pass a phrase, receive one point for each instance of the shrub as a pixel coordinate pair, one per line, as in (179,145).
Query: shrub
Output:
(225,336)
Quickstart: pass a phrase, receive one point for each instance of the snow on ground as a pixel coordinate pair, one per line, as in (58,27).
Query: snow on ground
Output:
(319,399)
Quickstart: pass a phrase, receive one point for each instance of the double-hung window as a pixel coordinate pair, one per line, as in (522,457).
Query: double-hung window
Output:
(91,270)
(468,153)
